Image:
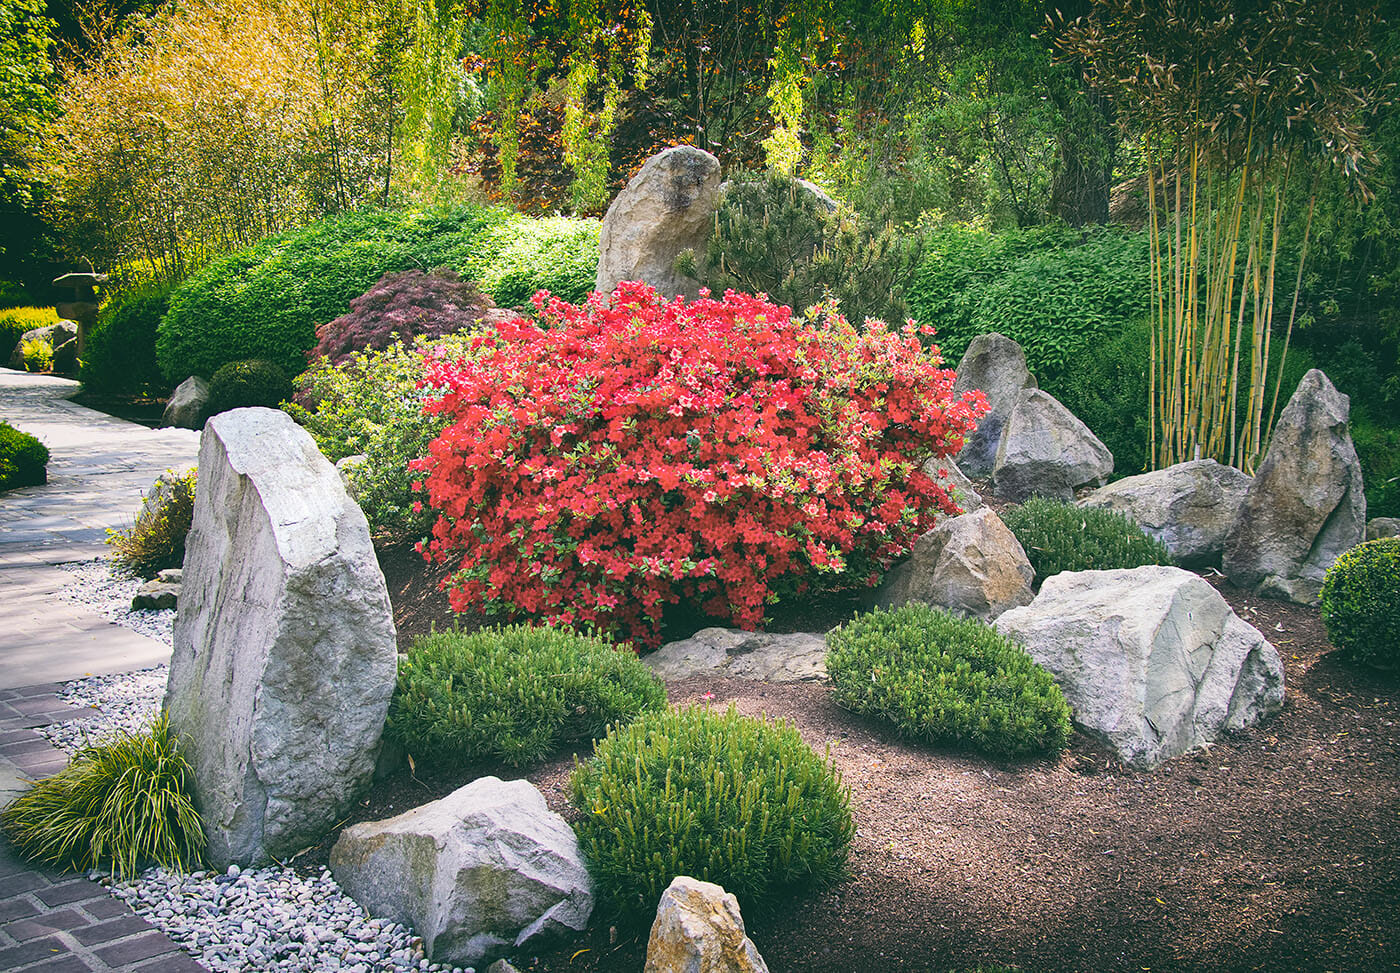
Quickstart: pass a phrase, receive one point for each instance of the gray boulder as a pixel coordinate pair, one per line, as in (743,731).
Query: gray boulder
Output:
(285,655)
(698,929)
(58,335)
(1046,451)
(187,404)
(1151,660)
(969,565)
(155,595)
(996,365)
(667,207)
(1378,527)
(1306,504)
(486,869)
(760,656)
(950,477)
(1189,507)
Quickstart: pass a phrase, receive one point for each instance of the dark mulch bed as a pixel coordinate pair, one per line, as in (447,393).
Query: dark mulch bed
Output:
(134,408)
(1275,850)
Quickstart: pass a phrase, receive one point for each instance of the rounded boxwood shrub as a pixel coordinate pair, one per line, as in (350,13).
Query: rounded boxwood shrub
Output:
(1360,595)
(23,459)
(516,694)
(720,797)
(121,350)
(156,540)
(241,384)
(1062,537)
(942,679)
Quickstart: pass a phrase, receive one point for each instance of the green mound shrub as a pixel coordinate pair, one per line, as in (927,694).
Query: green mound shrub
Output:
(517,694)
(1062,537)
(518,258)
(942,679)
(23,459)
(156,539)
(1359,597)
(241,384)
(721,797)
(37,354)
(118,805)
(120,355)
(15,321)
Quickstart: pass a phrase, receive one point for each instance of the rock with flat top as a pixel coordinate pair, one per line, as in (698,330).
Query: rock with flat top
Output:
(760,656)
(698,929)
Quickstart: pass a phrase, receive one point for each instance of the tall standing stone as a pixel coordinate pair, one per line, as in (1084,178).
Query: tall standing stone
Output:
(667,207)
(1307,503)
(996,365)
(285,653)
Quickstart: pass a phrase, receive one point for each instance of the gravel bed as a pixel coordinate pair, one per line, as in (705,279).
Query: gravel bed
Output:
(95,586)
(126,701)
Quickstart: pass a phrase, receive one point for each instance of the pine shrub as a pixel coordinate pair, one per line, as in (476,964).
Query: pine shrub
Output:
(1360,595)
(118,805)
(242,384)
(1059,537)
(156,540)
(946,680)
(120,355)
(23,459)
(741,802)
(517,694)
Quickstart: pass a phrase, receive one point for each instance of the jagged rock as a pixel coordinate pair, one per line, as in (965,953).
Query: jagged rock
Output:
(155,595)
(486,869)
(796,657)
(698,929)
(285,654)
(1151,660)
(667,207)
(1306,504)
(57,335)
(970,565)
(187,404)
(1189,507)
(1378,527)
(1046,451)
(996,365)
(951,478)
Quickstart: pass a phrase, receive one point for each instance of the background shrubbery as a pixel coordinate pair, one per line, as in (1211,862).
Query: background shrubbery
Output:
(121,350)
(15,321)
(241,384)
(1062,537)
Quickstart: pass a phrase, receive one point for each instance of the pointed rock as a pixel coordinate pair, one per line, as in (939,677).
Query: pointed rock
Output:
(698,929)
(1046,451)
(997,365)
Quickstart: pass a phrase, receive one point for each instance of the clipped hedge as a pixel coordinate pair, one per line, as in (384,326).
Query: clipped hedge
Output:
(120,355)
(1359,597)
(1062,537)
(241,384)
(23,459)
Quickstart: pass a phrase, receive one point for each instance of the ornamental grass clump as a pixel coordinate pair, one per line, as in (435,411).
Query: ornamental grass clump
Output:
(117,806)
(946,680)
(721,797)
(608,460)
(1360,595)
(517,694)
(1062,537)
(156,541)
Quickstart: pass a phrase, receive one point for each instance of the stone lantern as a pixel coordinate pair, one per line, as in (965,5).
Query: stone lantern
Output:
(83,306)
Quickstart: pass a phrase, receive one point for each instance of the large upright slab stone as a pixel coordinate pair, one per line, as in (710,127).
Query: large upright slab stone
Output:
(971,565)
(1152,660)
(667,207)
(995,364)
(285,654)
(1306,504)
(698,929)
(1045,451)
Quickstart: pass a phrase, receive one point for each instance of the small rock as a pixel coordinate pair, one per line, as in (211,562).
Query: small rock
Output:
(187,404)
(760,656)
(698,928)
(155,595)
(970,565)
(1378,527)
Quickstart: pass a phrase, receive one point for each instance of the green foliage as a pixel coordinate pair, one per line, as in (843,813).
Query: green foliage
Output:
(121,350)
(556,254)
(1378,449)
(12,295)
(942,679)
(1105,385)
(37,354)
(241,384)
(156,540)
(517,694)
(724,798)
(1062,537)
(15,321)
(23,459)
(1359,598)
(26,97)
(116,806)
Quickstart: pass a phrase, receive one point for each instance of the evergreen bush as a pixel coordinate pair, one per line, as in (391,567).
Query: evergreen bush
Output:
(723,798)
(1062,537)
(23,459)
(401,306)
(941,679)
(241,384)
(156,540)
(120,355)
(518,258)
(516,694)
(1359,600)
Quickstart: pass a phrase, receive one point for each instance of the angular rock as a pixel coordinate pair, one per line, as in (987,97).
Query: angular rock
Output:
(1189,507)
(698,929)
(285,655)
(970,565)
(1378,527)
(486,869)
(1307,503)
(667,207)
(951,478)
(65,357)
(155,595)
(997,365)
(1151,660)
(187,404)
(761,656)
(57,335)
(1046,451)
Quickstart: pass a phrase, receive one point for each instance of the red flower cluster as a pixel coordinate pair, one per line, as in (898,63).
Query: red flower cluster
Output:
(611,458)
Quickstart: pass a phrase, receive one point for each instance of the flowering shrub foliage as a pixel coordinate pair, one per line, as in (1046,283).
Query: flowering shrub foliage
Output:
(605,460)
(404,305)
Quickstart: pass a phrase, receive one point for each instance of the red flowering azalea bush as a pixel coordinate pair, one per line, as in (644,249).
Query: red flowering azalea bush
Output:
(606,460)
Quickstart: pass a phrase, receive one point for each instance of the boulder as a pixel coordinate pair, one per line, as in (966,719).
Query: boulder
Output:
(667,207)
(951,478)
(187,404)
(284,657)
(155,595)
(1151,660)
(57,335)
(970,565)
(487,869)
(761,656)
(1378,527)
(171,575)
(1306,504)
(1189,507)
(996,365)
(698,929)
(1046,451)
(65,357)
